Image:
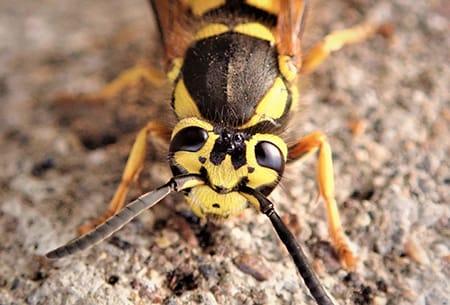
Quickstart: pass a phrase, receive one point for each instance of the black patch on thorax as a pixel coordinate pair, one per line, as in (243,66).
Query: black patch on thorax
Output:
(228,74)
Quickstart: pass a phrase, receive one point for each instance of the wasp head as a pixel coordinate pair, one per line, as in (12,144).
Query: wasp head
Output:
(227,158)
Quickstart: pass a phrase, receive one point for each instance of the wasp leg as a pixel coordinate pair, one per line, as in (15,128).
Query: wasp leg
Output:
(131,77)
(338,39)
(126,79)
(309,144)
(133,167)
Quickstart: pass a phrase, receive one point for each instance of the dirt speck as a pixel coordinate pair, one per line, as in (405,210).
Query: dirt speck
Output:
(253,266)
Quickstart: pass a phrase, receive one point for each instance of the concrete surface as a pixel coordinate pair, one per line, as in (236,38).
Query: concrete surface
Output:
(60,163)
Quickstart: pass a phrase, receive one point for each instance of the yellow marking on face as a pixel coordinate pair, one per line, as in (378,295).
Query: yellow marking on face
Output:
(190,160)
(199,7)
(184,106)
(190,184)
(210,30)
(203,201)
(287,67)
(177,63)
(272,106)
(271,6)
(252,200)
(257,30)
(225,175)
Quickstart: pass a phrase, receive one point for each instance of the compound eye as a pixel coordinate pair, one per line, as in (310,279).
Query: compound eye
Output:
(269,155)
(189,139)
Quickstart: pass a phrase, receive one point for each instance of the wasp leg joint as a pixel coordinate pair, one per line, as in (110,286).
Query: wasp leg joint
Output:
(133,167)
(325,178)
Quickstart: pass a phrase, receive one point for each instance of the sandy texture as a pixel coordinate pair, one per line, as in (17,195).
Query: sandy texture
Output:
(59,165)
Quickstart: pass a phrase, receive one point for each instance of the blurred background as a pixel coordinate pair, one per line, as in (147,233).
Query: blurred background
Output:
(385,105)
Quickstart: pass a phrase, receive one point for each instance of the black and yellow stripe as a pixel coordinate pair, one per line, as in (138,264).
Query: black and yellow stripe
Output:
(231,73)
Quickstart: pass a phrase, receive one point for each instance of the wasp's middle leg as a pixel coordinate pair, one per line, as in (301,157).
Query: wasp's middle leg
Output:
(133,167)
(131,77)
(126,79)
(313,142)
(338,39)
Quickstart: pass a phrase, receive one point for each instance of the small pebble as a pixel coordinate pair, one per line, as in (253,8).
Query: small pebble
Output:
(43,166)
(379,300)
(208,271)
(252,265)
(166,239)
(357,126)
(207,298)
(113,279)
(362,220)
(415,251)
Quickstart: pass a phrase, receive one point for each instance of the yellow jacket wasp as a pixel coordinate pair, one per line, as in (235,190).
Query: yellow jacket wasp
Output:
(234,66)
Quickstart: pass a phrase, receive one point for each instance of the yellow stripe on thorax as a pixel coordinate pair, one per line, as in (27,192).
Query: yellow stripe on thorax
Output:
(255,29)
(295,96)
(173,73)
(270,6)
(200,7)
(272,106)
(287,67)
(212,29)
(184,106)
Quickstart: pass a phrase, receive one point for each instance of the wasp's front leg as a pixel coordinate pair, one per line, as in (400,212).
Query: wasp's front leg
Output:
(313,142)
(133,167)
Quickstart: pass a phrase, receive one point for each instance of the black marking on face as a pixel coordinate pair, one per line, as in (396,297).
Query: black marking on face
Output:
(217,156)
(266,189)
(202,160)
(177,170)
(242,183)
(220,189)
(251,169)
(204,173)
(230,143)
(216,205)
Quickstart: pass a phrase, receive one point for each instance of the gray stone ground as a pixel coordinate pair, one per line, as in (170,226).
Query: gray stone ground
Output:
(60,165)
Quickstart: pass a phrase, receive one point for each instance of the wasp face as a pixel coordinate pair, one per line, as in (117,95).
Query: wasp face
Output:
(228,159)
